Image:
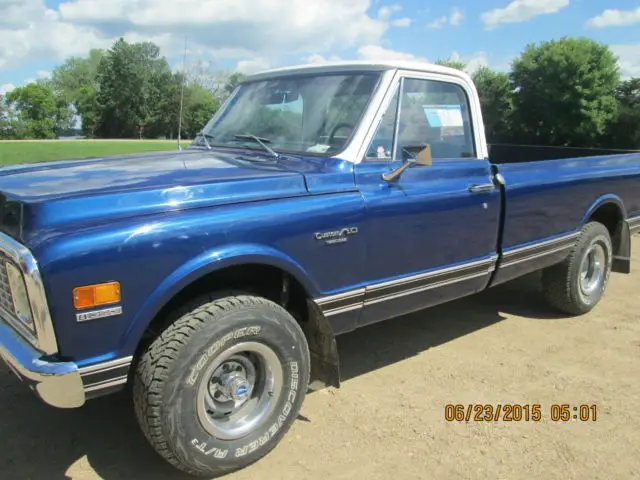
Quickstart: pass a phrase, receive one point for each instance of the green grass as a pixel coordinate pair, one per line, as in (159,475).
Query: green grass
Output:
(48,150)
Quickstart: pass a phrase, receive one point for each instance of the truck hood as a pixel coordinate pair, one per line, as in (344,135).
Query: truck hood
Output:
(46,196)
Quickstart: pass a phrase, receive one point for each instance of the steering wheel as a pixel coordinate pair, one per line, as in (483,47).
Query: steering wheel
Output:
(335,130)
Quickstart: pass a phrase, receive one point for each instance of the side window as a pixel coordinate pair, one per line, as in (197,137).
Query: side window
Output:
(431,113)
(381,145)
(434,113)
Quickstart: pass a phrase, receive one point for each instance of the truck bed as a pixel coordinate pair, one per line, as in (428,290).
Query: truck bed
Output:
(500,153)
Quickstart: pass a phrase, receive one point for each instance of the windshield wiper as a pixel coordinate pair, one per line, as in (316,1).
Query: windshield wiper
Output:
(204,137)
(262,141)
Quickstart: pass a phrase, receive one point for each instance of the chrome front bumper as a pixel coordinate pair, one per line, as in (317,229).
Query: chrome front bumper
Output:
(58,384)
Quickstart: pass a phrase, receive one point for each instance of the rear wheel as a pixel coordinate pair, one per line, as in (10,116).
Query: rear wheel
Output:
(577,284)
(221,386)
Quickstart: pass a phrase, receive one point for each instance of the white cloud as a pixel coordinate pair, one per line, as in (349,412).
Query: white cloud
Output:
(6,88)
(214,27)
(253,25)
(253,65)
(456,16)
(30,31)
(480,59)
(376,52)
(615,18)
(43,74)
(385,12)
(521,11)
(472,62)
(453,19)
(401,22)
(629,59)
(317,59)
(438,23)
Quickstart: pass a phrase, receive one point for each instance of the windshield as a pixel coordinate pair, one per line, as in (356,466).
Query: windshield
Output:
(314,114)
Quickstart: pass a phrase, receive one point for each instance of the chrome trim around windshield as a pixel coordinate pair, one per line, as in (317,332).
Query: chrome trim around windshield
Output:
(25,261)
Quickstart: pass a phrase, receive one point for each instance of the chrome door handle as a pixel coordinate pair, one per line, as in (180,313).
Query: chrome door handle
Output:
(486,188)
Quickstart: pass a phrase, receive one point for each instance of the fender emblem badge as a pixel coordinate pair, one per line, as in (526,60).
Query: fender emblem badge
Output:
(336,236)
(95,314)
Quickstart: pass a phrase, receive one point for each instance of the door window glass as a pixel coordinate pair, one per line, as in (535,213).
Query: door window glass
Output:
(432,113)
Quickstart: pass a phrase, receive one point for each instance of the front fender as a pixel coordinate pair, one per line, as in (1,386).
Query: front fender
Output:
(204,264)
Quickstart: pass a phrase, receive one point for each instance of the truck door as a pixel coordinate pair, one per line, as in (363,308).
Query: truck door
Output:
(432,233)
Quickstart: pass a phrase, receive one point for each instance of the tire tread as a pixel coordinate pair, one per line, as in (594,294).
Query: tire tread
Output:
(155,363)
(557,278)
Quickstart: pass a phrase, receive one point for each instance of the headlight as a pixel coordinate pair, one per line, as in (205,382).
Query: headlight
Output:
(20,298)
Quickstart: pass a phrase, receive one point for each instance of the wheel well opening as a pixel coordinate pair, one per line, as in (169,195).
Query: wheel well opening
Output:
(610,216)
(269,282)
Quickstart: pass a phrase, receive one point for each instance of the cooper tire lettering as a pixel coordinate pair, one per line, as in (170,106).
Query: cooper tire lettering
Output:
(204,359)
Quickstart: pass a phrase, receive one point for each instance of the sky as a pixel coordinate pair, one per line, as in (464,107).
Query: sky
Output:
(253,35)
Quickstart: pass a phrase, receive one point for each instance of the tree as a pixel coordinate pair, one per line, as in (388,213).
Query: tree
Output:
(624,133)
(452,64)
(5,119)
(200,105)
(233,81)
(37,113)
(494,90)
(220,83)
(68,80)
(564,92)
(74,83)
(131,80)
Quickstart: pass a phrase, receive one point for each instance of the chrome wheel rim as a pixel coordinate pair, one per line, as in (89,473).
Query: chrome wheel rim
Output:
(239,390)
(592,269)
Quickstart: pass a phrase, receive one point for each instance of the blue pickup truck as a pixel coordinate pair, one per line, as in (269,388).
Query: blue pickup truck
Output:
(213,280)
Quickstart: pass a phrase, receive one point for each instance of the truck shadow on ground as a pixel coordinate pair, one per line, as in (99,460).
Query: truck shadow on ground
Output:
(38,442)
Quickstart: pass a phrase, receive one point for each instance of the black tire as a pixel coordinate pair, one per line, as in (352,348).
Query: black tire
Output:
(170,374)
(562,282)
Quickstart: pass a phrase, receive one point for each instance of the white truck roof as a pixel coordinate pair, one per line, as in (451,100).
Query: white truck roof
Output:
(347,65)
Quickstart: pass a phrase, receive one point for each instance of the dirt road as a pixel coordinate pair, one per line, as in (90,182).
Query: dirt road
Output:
(387,421)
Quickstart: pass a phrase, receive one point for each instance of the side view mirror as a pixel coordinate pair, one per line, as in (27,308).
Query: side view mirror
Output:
(423,159)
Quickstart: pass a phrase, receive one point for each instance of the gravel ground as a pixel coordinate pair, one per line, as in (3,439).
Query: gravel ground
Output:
(387,420)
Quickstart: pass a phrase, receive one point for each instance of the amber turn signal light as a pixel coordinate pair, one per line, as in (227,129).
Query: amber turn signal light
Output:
(96,295)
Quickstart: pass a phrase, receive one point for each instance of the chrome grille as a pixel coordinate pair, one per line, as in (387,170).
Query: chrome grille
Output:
(7,309)
(6,300)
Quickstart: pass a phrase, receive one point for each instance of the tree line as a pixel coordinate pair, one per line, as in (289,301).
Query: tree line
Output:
(128,91)
(565,92)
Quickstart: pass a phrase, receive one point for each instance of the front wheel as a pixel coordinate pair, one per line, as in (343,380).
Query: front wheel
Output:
(576,285)
(221,386)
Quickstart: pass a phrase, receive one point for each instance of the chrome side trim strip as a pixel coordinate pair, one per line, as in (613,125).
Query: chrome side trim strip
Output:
(102,367)
(26,262)
(425,288)
(634,224)
(537,255)
(553,241)
(340,296)
(102,385)
(538,250)
(105,374)
(346,309)
(435,273)
(388,290)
